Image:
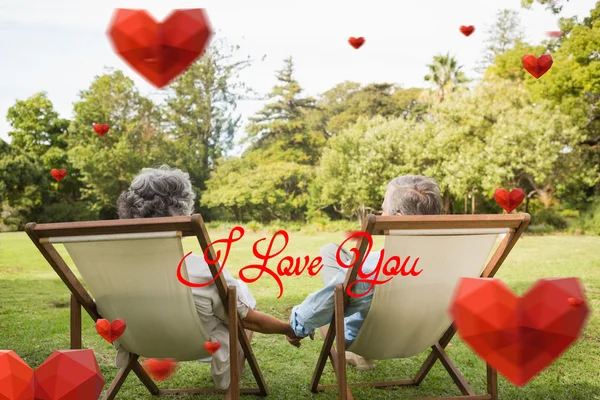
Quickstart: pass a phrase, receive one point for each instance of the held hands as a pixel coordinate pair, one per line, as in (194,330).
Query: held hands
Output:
(295,340)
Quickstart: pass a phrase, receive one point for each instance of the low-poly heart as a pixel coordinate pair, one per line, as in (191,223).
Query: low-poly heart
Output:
(537,66)
(16,377)
(110,331)
(554,34)
(519,337)
(467,30)
(160,51)
(59,175)
(356,42)
(509,201)
(101,129)
(160,369)
(212,347)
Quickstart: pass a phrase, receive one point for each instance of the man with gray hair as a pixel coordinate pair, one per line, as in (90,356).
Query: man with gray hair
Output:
(167,192)
(405,195)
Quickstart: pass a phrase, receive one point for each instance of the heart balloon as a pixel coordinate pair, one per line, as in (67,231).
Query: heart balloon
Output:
(212,347)
(356,42)
(160,51)
(537,66)
(554,34)
(64,375)
(59,175)
(160,369)
(110,331)
(519,337)
(509,201)
(16,377)
(467,30)
(101,129)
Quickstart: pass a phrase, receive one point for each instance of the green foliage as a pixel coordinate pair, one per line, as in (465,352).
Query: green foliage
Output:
(555,6)
(108,164)
(264,192)
(589,221)
(445,74)
(279,131)
(200,112)
(504,34)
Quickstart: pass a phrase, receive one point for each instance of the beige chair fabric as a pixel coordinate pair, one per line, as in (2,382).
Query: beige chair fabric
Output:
(410,314)
(133,277)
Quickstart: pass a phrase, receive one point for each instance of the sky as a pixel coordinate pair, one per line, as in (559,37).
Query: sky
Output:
(60,46)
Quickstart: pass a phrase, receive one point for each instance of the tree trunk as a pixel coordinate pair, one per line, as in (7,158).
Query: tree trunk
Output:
(447,203)
(473,202)
(466,203)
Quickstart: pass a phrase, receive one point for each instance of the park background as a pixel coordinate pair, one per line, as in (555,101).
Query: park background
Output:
(308,149)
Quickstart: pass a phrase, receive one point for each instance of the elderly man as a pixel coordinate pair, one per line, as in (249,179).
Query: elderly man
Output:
(166,192)
(405,195)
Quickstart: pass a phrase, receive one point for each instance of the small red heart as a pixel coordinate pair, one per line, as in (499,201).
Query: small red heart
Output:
(101,129)
(509,201)
(110,331)
(212,347)
(554,34)
(537,66)
(356,42)
(160,369)
(518,336)
(467,30)
(59,175)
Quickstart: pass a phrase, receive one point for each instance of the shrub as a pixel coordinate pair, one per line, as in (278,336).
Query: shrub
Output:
(550,218)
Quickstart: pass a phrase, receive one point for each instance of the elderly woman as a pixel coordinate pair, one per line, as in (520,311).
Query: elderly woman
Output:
(167,192)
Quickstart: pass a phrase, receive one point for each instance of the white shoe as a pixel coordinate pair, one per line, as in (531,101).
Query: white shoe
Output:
(361,363)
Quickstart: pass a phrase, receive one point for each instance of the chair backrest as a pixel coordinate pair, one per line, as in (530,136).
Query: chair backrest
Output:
(133,276)
(408,314)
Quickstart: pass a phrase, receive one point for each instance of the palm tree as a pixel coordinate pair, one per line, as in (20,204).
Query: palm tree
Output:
(445,73)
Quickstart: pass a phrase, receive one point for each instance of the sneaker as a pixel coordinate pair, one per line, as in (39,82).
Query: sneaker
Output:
(361,363)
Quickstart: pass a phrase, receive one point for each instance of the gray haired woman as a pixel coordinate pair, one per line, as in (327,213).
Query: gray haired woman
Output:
(168,192)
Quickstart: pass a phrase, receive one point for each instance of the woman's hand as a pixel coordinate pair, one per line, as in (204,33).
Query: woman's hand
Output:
(295,340)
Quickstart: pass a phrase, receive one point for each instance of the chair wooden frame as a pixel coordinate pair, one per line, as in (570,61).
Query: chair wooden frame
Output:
(188,226)
(381,225)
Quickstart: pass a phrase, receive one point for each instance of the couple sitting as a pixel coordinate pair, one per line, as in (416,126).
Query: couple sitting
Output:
(166,192)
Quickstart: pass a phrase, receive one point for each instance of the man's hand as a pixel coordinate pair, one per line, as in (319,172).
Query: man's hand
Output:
(295,340)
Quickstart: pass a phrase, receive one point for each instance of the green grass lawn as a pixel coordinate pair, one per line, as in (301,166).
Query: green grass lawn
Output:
(34,322)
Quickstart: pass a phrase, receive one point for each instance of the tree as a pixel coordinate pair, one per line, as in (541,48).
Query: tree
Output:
(279,132)
(38,145)
(358,163)
(108,164)
(445,74)
(553,5)
(262,192)
(342,105)
(502,36)
(200,111)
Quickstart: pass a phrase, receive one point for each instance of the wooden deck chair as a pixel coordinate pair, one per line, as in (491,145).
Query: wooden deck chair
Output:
(410,314)
(130,268)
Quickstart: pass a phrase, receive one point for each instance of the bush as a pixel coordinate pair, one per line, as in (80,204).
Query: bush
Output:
(589,221)
(67,212)
(550,218)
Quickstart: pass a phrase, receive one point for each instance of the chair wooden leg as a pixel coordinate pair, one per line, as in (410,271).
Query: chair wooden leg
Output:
(234,373)
(116,384)
(75,323)
(433,356)
(492,382)
(344,392)
(454,373)
(144,377)
(328,338)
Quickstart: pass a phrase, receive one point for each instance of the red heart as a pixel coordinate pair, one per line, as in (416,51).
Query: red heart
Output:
(519,337)
(160,369)
(101,129)
(509,201)
(554,34)
(110,331)
(356,42)
(537,66)
(160,51)
(212,347)
(59,175)
(16,377)
(467,30)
